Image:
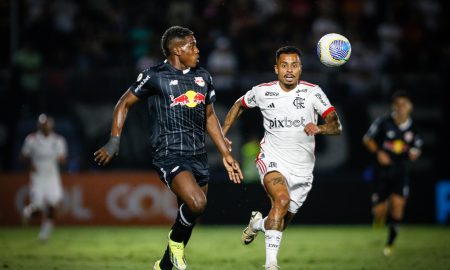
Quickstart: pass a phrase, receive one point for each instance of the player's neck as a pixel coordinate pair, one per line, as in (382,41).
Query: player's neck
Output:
(287,88)
(176,63)
(400,119)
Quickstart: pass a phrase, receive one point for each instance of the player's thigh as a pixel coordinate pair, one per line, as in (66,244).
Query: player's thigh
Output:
(185,187)
(37,195)
(397,203)
(276,185)
(380,209)
(54,193)
(299,188)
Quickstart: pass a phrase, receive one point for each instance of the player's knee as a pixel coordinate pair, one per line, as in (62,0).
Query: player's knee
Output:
(282,201)
(397,214)
(197,204)
(51,212)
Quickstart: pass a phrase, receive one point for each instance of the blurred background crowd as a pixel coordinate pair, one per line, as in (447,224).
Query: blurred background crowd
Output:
(74,59)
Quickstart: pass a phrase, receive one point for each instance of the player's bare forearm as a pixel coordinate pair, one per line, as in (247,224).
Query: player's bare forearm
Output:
(234,113)
(370,144)
(111,148)
(332,125)
(29,164)
(215,131)
(120,112)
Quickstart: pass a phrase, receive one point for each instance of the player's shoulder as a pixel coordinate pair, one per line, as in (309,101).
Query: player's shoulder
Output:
(160,67)
(153,70)
(58,136)
(308,84)
(202,72)
(266,85)
(384,119)
(309,87)
(267,89)
(31,137)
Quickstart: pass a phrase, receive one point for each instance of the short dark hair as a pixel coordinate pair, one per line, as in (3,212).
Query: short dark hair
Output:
(172,33)
(400,94)
(286,50)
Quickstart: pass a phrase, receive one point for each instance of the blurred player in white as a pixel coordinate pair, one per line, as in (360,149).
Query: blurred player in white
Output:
(290,108)
(44,151)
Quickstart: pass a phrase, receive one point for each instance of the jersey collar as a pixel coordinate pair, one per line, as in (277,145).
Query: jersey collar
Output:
(184,71)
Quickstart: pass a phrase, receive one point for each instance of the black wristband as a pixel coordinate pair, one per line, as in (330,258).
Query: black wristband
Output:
(112,146)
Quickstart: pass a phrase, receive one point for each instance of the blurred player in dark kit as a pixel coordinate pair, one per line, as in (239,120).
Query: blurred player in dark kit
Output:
(180,96)
(395,142)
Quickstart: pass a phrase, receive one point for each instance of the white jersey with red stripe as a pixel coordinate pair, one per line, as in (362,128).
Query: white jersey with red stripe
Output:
(285,116)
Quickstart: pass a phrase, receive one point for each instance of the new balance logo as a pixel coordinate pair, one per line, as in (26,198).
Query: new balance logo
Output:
(271,105)
(173,82)
(272,164)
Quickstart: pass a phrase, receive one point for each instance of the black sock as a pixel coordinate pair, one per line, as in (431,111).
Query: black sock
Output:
(393,231)
(182,228)
(181,231)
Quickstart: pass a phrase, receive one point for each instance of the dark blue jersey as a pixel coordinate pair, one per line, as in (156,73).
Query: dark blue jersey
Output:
(395,140)
(177,103)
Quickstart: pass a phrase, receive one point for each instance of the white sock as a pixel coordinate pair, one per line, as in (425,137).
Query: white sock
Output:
(46,230)
(259,225)
(273,240)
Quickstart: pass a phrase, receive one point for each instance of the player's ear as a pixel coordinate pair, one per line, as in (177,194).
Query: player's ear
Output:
(176,51)
(275,67)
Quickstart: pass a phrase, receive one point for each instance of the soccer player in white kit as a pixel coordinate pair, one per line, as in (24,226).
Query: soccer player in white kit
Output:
(44,151)
(290,108)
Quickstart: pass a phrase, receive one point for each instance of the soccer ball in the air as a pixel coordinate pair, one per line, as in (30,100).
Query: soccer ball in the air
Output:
(333,50)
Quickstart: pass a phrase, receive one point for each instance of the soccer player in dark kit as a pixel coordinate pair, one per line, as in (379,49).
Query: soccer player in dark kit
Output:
(395,142)
(180,97)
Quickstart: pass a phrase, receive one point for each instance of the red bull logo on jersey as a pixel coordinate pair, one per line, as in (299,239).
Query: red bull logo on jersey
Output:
(200,81)
(190,99)
(397,146)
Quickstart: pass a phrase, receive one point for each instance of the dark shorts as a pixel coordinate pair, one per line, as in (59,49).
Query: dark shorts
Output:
(390,180)
(169,167)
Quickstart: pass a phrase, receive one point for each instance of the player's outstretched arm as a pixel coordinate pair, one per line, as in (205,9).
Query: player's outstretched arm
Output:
(235,111)
(111,148)
(381,155)
(332,126)
(216,134)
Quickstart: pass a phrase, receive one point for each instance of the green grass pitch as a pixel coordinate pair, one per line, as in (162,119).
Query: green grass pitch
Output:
(219,247)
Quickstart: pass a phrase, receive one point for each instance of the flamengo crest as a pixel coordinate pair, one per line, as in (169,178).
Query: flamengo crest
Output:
(299,103)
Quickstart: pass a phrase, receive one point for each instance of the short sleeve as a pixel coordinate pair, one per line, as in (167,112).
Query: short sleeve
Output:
(211,93)
(321,103)
(61,149)
(143,86)
(27,145)
(249,99)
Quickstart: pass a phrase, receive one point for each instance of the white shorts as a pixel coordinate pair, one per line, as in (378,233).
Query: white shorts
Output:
(44,192)
(298,186)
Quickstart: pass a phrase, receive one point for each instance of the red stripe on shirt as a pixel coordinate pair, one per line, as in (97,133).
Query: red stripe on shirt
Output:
(243,103)
(325,113)
(307,83)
